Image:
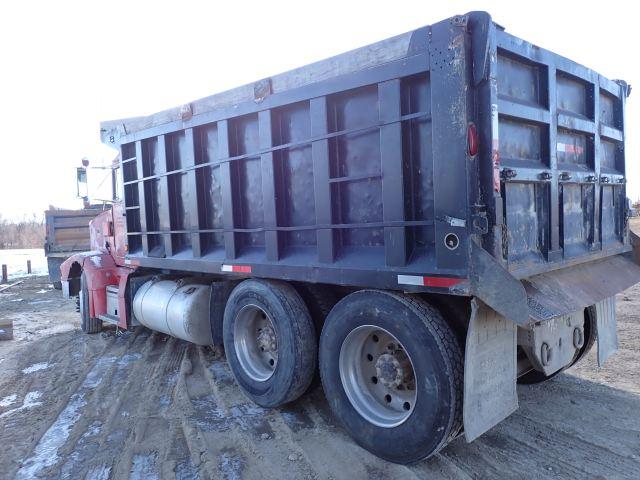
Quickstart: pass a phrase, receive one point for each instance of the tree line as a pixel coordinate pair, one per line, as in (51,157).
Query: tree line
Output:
(28,232)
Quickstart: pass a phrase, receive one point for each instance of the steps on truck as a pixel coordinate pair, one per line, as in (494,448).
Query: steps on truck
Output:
(109,318)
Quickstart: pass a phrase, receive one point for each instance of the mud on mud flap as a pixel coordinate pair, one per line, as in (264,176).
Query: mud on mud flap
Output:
(607,329)
(490,368)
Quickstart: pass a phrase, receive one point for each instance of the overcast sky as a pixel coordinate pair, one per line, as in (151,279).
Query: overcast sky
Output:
(65,66)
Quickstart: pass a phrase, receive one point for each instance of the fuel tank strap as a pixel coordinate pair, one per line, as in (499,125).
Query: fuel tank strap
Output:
(570,289)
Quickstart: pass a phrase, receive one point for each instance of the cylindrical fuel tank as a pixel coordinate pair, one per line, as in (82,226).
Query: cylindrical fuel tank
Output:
(175,307)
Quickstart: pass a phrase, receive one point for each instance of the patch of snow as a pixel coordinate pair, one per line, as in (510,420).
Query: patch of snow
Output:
(97,261)
(144,467)
(36,367)
(93,430)
(100,472)
(35,302)
(30,401)
(16,261)
(8,400)
(42,290)
(128,358)
(45,453)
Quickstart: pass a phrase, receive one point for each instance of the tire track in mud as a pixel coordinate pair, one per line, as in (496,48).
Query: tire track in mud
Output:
(330,455)
(238,437)
(269,432)
(300,429)
(138,431)
(85,451)
(51,393)
(50,448)
(205,424)
(577,457)
(572,414)
(64,428)
(145,405)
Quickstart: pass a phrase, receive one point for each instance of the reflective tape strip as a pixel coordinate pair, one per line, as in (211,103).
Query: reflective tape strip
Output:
(236,268)
(570,148)
(410,280)
(439,282)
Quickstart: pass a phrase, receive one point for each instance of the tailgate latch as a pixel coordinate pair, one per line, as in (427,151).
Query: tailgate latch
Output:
(480,223)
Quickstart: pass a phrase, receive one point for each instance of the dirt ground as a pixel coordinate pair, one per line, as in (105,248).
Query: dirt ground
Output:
(142,405)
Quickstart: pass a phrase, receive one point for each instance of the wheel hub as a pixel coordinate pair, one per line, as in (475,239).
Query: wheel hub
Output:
(256,343)
(267,339)
(393,369)
(378,376)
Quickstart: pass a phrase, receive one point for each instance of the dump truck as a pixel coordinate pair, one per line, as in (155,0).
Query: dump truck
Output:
(426,220)
(66,233)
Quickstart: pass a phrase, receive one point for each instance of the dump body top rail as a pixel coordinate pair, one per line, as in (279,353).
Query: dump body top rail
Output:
(357,170)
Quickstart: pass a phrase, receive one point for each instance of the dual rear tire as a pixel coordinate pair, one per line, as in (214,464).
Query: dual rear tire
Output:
(392,372)
(270,341)
(391,367)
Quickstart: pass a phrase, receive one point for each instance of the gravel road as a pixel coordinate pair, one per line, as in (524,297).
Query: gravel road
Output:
(142,405)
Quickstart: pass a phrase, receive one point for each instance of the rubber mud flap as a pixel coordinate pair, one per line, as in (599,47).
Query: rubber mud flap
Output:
(490,368)
(607,331)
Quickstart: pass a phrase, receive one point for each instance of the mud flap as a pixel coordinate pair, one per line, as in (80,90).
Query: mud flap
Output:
(490,370)
(607,331)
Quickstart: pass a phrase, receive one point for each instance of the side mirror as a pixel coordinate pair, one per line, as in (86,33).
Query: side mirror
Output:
(81,182)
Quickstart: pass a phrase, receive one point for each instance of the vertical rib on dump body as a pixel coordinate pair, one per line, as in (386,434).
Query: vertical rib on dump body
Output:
(357,170)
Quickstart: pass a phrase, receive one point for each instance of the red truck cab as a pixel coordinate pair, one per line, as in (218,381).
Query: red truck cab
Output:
(102,266)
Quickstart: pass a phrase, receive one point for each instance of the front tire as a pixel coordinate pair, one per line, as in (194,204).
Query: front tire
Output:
(392,371)
(270,341)
(88,324)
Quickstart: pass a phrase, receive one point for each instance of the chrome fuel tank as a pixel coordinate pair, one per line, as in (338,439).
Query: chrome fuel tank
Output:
(175,307)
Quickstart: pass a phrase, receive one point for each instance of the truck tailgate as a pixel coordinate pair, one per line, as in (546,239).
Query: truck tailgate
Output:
(561,154)
(68,230)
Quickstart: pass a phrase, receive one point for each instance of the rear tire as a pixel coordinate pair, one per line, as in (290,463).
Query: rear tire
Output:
(319,300)
(88,325)
(422,363)
(270,341)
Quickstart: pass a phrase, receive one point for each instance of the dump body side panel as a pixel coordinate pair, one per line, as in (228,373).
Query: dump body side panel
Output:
(356,179)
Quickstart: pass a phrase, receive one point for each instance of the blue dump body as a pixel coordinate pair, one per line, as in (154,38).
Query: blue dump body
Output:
(362,169)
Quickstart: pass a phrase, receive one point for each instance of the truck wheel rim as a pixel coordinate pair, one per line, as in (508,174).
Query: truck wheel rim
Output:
(377,375)
(255,342)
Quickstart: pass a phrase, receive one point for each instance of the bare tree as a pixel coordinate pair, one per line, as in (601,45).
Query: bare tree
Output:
(25,233)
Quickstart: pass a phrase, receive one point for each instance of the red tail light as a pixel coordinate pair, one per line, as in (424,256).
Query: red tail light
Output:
(472,139)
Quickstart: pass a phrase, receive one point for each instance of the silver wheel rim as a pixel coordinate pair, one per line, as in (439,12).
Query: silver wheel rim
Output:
(255,342)
(377,375)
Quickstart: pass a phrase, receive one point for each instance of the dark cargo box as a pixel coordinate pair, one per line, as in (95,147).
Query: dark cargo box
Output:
(438,160)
